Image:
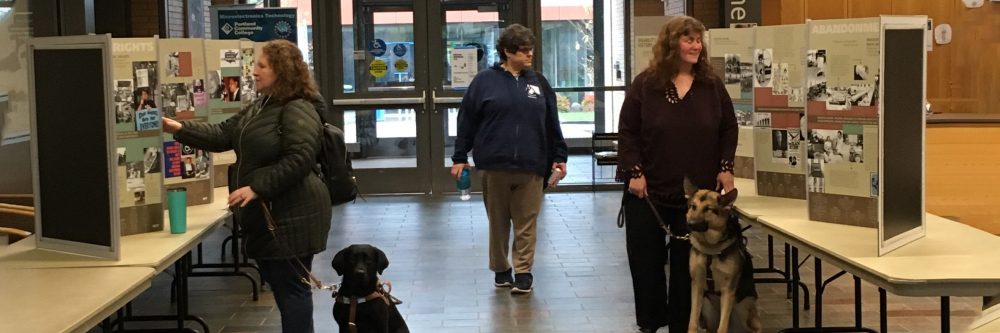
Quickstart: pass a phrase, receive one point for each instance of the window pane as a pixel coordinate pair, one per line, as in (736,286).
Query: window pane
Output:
(470,29)
(381,138)
(568,47)
(303,17)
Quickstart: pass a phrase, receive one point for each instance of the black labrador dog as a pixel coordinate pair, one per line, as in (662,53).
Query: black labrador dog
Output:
(361,304)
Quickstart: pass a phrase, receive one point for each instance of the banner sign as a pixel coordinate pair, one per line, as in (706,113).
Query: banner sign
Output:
(742,13)
(256,24)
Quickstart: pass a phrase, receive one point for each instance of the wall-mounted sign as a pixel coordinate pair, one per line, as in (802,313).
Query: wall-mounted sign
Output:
(256,24)
(742,13)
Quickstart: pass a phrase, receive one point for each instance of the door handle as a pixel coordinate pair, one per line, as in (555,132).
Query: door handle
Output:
(434,101)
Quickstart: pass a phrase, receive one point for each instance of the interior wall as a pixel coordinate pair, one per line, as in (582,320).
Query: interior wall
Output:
(962,77)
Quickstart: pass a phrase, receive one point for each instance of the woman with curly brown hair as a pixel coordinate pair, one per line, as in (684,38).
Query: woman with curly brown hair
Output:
(276,140)
(677,121)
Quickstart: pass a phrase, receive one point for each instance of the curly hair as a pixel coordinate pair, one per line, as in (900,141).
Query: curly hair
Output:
(666,60)
(293,79)
(513,38)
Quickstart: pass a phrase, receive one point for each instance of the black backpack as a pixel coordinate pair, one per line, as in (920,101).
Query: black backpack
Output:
(333,165)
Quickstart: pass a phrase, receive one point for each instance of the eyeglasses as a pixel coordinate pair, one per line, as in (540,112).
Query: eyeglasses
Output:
(526,49)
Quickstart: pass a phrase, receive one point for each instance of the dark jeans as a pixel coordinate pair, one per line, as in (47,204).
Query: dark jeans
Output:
(647,254)
(294,298)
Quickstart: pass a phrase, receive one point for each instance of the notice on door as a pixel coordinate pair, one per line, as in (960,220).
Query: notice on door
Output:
(378,68)
(463,66)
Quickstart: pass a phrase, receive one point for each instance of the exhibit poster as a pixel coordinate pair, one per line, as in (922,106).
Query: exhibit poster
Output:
(184,98)
(779,111)
(842,120)
(225,86)
(138,136)
(730,52)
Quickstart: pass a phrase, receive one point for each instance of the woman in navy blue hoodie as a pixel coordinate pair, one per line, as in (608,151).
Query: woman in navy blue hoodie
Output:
(508,116)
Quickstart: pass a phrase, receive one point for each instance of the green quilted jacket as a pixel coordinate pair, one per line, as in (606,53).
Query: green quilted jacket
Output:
(278,165)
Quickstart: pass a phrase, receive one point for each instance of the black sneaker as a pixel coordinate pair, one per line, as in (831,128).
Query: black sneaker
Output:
(503,279)
(522,283)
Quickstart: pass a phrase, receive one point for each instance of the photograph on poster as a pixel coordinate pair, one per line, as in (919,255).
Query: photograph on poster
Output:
(862,94)
(144,74)
(733,68)
(231,90)
(763,68)
(795,95)
(214,84)
(860,72)
(779,144)
(121,155)
(762,119)
(134,176)
(179,64)
(744,118)
(198,92)
(833,146)
(794,141)
(816,182)
(874,184)
(746,82)
(229,58)
(838,98)
(816,75)
(248,82)
(178,101)
(152,160)
(194,163)
(143,99)
(124,112)
(781,80)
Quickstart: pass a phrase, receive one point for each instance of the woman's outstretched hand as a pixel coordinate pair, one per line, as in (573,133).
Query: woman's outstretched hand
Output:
(171,126)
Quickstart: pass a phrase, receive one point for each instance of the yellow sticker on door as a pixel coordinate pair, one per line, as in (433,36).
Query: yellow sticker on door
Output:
(401,65)
(378,68)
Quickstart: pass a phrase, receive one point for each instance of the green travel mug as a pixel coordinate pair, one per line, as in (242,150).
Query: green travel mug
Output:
(177,209)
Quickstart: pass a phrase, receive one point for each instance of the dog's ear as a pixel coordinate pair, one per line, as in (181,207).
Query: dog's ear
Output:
(727,200)
(381,260)
(689,188)
(339,262)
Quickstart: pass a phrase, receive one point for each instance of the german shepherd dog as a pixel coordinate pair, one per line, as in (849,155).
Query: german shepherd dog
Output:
(361,303)
(717,245)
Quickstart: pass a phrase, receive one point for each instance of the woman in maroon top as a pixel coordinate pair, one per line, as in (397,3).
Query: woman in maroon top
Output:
(677,121)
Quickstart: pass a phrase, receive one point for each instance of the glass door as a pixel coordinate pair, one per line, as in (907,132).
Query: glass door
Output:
(463,40)
(395,85)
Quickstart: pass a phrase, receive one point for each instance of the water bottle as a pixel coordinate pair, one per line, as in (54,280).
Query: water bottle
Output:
(464,185)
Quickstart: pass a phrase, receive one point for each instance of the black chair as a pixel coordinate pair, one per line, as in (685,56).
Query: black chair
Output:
(605,149)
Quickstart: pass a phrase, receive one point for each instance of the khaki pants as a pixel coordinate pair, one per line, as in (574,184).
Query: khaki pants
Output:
(512,196)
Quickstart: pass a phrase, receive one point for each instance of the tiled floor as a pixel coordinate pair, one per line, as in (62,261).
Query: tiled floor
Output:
(438,266)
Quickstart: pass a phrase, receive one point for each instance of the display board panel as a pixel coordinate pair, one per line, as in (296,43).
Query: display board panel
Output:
(184,96)
(731,55)
(842,111)
(72,147)
(779,113)
(902,218)
(138,135)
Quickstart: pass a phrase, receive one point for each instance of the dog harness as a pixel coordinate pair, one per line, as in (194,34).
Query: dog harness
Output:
(382,292)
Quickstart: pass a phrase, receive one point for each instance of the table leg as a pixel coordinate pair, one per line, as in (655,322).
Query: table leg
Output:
(795,291)
(883,321)
(945,314)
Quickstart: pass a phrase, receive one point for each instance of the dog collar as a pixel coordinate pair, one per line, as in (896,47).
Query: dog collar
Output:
(717,249)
